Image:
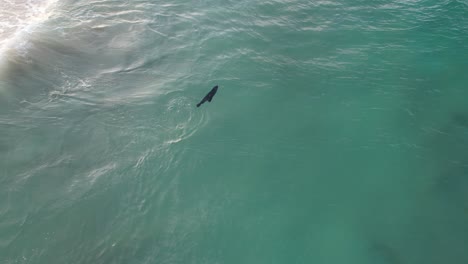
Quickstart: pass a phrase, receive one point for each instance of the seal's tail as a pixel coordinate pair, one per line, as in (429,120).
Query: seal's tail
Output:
(198,105)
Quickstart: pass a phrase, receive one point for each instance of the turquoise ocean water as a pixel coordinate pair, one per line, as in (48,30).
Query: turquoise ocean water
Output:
(339,133)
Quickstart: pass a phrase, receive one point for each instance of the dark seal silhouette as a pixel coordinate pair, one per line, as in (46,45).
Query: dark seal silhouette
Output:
(209,96)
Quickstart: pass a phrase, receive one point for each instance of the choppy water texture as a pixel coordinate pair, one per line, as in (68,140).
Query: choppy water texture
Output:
(338,135)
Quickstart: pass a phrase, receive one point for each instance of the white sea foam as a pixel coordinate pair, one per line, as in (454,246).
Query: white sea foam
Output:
(18,19)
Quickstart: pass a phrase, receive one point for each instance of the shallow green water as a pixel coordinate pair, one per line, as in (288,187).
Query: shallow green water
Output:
(339,132)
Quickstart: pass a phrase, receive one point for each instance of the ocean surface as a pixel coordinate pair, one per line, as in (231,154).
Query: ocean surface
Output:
(339,133)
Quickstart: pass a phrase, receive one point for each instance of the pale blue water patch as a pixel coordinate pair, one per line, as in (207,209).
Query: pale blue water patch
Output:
(337,135)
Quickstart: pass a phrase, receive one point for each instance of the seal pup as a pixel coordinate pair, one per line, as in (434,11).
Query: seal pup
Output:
(209,96)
